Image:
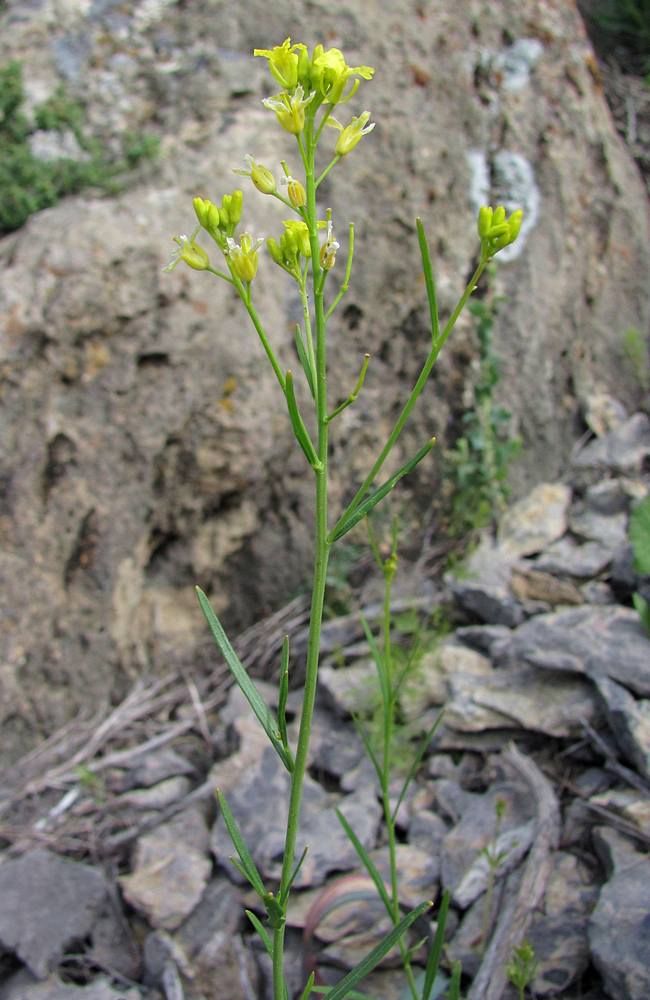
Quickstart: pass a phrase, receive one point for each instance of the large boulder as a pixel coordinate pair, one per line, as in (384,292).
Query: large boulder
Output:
(145,442)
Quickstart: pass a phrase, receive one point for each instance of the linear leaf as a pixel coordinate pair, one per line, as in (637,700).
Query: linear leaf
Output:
(429,281)
(454,985)
(433,958)
(248,689)
(298,424)
(373,958)
(284,896)
(308,987)
(367,863)
(248,865)
(304,360)
(357,513)
(261,930)
(363,736)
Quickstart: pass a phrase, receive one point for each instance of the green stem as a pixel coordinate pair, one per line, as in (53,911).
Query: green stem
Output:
(320,564)
(415,393)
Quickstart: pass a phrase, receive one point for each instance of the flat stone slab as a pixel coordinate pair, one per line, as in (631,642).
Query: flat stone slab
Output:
(46,903)
(598,641)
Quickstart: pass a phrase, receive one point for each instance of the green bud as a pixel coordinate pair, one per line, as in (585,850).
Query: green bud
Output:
(296,192)
(484,221)
(242,256)
(275,250)
(260,175)
(496,231)
(499,215)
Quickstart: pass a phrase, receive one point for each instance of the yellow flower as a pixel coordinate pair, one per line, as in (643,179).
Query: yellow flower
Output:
(352,133)
(283,62)
(330,74)
(260,175)
(188,252)
(290,110)
(243,256)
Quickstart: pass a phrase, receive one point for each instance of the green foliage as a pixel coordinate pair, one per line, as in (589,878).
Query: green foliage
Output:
(477,466)
(628,22)
(521,968)
(29,184)
(640,540)
(636,352)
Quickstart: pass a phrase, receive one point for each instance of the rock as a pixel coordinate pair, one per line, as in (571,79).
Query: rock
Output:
(619,927)
(165,793)
(151,769)
(483,590)
(351,690)
(534,522)
(258,799)
(430,684)
(535,585)
(337,752)
(629,720)
(47,903)
(540,701)
(609,530)
(603,413)
(170,870)
(568,558)
(461,849)
(633,806)
(23,986)
(622,450)
(558,933)
(595,641)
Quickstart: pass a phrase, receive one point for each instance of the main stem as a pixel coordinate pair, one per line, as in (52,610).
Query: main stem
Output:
(320,564)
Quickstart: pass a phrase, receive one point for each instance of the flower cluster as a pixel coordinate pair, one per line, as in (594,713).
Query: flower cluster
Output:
(495,230)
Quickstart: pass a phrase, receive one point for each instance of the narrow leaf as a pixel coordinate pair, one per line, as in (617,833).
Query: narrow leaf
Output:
(433,958)
(379,663)
(429,282)
(261,930)
(417,760)
(454,985)
(357,513)
(304,360)
(248,689)
(248,865)
(294,874)
(367,863)
(299,429)
(373,958)
(363,736)
(308,987)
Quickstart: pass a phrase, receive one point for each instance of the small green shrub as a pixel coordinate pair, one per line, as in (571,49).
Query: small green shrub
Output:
(28,184)
(640,539)
(477,466)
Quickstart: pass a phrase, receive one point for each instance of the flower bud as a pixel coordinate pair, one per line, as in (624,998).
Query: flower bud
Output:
(260,175)
(352,133)
(485,214)
(296,192)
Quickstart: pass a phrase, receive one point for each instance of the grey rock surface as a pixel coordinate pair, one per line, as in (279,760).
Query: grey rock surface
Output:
(23,986)
(619,928)
(143,434)
(46,903)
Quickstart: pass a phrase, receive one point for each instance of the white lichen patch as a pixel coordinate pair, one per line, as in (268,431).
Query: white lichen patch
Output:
(515,63)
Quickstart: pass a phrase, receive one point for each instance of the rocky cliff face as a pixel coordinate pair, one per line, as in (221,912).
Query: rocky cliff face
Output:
(145,444)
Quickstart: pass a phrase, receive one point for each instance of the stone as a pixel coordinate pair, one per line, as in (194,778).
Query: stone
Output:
(23,986)
(521,697)
(151,769)
(46,903)
(633,806)
(475,830)
(594,641)
(170,870)
(165,793)
(629,720)
(533,585)
(430,684)
(350,690)
(258,799)
(566,557)
(558,931)
(483,590)
(609,530)
(622,450)
(532,523)
(619,927)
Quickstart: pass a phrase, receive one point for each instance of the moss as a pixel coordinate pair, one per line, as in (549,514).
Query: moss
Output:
(28,184)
